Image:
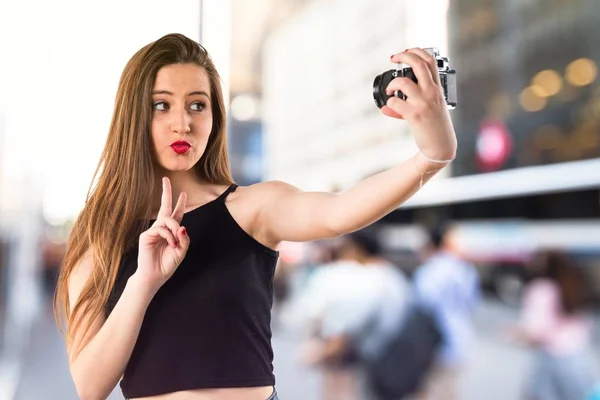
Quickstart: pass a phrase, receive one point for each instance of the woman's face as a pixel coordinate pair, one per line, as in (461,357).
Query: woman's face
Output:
(181,116)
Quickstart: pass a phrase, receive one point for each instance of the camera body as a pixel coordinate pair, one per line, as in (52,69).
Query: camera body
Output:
(447,80)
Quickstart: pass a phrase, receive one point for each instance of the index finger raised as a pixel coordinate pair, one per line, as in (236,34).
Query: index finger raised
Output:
(166,201)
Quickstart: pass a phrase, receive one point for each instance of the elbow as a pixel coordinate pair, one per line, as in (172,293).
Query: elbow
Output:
(93,381)
(333,230)
(87,389)
(340,225)
(340,222)
(88,392)
(85,393)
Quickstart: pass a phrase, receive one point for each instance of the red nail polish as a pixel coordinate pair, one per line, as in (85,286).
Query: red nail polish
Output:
(184,231)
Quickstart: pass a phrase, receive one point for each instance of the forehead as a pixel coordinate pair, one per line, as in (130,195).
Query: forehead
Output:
(182,77)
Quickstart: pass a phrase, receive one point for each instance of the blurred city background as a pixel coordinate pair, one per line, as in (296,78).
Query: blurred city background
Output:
(298,78)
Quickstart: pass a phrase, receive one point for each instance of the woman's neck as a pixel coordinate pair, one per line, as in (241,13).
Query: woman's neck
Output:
(184,181)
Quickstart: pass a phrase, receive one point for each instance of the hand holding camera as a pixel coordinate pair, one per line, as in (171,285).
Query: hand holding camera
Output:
(421,90)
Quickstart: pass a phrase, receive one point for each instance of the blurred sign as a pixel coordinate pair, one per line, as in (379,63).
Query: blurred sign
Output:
(494,145)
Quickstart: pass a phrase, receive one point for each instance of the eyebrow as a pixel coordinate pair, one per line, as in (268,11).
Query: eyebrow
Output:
(197,92)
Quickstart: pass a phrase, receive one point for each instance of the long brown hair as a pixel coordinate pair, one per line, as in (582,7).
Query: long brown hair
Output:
(568,275)
(109,224)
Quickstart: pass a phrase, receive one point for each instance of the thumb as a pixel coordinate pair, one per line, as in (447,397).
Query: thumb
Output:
(391,113)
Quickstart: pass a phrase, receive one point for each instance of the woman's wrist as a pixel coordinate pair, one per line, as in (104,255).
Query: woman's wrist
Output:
(142,286)
(444,160)
(427,164)
(428,167)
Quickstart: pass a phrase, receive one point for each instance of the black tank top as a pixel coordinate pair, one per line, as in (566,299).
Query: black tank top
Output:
(209,325)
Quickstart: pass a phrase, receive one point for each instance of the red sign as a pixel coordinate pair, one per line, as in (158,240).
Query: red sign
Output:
(494,145)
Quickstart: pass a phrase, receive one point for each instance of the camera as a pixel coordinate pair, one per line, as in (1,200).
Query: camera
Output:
(447,80)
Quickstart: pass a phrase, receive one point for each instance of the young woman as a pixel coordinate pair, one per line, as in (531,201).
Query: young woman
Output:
(174,301)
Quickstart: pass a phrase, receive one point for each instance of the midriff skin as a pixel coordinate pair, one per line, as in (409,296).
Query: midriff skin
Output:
(253,393)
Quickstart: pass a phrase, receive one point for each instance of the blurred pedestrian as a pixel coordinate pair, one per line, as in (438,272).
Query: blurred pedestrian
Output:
(166,282)
(449,286)
(556,320)
(362,304)
(52,256)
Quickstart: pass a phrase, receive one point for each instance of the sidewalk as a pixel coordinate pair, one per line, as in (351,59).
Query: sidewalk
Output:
(45,373)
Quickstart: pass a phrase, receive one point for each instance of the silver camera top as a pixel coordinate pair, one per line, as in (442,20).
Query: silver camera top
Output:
(442,62)
(433,51)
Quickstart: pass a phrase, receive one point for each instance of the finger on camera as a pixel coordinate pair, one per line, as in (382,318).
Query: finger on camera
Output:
(398,106)
(391,113)
(166,201)
(405,85)
(180,207)
(163,232)
(419,67)
(430,60)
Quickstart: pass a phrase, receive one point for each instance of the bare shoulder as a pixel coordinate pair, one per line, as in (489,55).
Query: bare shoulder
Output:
(267,191)
(248,206)
(253,199)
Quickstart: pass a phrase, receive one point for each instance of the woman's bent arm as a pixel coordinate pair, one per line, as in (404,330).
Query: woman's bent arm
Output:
(98,360)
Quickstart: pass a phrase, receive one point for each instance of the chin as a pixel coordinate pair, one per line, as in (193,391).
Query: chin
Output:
(176,166)
(177,163)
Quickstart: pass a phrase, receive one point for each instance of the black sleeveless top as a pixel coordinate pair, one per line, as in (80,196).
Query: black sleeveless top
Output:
(209,325)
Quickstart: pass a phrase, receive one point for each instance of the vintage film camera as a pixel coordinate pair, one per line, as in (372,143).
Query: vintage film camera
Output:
(447,80)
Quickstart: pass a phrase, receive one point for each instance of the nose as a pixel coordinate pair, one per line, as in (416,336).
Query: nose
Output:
(181,122)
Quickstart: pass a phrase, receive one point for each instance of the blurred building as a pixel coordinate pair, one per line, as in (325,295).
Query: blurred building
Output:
(3,240)
(2,163)
(323,130)
(246,149)
(251,23)
(528,78)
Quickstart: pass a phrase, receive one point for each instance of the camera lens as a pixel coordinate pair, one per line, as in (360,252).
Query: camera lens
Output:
(380,83)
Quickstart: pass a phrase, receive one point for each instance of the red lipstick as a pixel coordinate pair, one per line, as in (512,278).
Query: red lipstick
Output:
(180,147)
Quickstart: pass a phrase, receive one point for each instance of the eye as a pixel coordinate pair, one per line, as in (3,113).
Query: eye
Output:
(198,106)
(160,106)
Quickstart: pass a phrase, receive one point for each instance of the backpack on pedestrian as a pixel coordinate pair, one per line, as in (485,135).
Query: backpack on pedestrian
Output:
(405,359)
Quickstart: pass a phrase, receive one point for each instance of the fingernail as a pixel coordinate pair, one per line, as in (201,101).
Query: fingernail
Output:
(184,232)
(392,56)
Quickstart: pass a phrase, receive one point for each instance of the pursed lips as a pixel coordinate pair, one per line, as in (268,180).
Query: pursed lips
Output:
(180,146)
